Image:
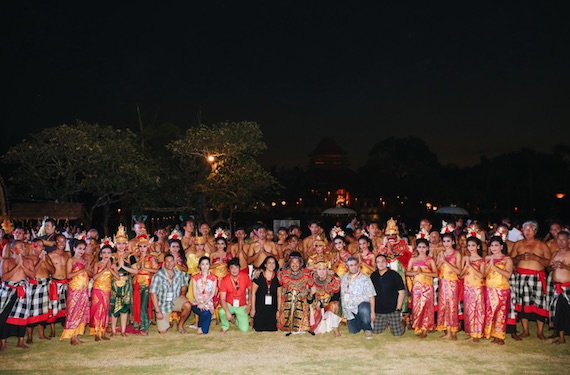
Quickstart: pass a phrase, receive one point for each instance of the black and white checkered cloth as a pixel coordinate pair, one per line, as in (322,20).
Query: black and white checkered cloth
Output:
(529,292)
(39,298)
(21,308)
(394,320)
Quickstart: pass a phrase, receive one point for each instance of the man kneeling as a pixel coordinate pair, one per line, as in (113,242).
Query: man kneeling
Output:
(168,293)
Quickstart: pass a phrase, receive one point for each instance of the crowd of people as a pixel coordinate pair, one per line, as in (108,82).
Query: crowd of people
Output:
(459,277)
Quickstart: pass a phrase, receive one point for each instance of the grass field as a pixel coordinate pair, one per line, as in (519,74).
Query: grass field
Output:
(273,353)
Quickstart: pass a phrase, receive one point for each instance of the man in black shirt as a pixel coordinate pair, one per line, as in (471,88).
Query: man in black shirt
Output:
(389,298)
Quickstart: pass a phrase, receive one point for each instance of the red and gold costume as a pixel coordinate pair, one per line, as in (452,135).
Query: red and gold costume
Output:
(498,297)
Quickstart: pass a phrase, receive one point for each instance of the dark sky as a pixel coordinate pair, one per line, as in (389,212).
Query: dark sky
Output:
(470,79)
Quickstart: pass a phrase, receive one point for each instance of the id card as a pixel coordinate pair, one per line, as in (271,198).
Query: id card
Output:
(236,303)
(268,299)
(169,296)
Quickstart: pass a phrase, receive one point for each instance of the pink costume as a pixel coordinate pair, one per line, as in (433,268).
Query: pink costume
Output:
(448,297)
(100,303)
(498,293)
(474,301)
(77,314)
(422,298)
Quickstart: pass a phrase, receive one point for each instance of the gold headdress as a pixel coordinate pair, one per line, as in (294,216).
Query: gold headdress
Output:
(142,239)
(391,228)
(319,241)
(121,234)
(199,240)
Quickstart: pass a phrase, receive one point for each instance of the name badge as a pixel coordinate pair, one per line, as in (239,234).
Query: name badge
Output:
(169,296)
(236,303)
(268,299)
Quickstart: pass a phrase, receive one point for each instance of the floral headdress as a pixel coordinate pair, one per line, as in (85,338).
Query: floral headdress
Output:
(423,233)
(219,233)
(106,242)
(365,233)
(81,236)
(174,235)
(473,231)
(336,231)
(445,228)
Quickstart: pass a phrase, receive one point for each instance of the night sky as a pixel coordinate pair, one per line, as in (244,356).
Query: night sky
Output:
(470,79)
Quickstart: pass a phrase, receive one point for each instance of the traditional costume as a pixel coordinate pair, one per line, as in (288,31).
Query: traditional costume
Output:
(474,301)
(325,304)
(77,315)
(422,298)
(100,302)
(14,308)
(498,296)
(448,297)
(294,314)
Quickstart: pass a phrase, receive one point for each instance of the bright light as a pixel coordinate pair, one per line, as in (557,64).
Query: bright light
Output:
(560,195)
(428,205)
(283,203)
(273,204)
(211,158)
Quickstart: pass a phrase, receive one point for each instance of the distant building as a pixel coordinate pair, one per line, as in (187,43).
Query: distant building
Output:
(330,174)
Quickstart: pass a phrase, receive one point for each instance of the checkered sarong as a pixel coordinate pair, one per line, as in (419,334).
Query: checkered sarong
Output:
(58,305)
(393,319)
(552,298)
(19,314)
(39,301)
(529,294)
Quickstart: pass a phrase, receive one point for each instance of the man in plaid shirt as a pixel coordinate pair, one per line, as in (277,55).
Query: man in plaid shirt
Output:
(168,290)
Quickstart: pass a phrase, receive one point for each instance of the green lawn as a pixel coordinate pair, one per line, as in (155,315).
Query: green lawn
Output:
(273,353)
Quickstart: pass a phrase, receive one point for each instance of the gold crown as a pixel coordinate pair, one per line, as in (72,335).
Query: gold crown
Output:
(142,239)
(391,227)
(319,241)
(121,233)
(199,240)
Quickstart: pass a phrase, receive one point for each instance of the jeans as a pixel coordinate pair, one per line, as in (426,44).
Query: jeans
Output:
(361,320)
(204,318)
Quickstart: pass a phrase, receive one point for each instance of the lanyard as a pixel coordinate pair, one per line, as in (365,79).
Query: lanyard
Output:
(352,279)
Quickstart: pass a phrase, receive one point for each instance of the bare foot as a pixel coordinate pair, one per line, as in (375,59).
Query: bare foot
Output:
(524,334)
(2,347)
(453,336)
(97,338)
(105,338)
(558,341)
(446,336)
(553,335)
(29,341)
(516,337)
(541,337)
(500,342)
(74,342)
(43,337)
(123,334)
(81,342)
(144,333)
(22,346)
(199,331)
(422,335)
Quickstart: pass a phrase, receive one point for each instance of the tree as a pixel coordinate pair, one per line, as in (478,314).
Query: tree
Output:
(81,162)
(219,168)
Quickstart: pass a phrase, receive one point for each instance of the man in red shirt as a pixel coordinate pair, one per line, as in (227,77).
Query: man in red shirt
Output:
(235,292)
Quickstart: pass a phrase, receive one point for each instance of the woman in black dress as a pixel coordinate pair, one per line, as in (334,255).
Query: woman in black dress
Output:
(265,300)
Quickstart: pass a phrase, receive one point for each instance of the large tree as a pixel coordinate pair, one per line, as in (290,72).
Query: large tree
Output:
(81,162)
(220,173)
